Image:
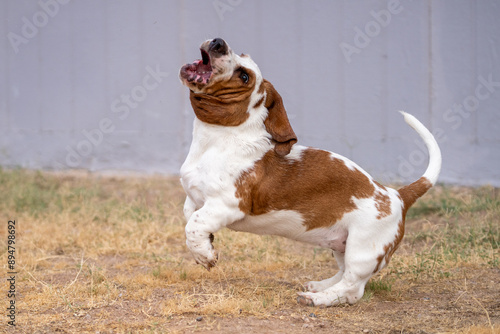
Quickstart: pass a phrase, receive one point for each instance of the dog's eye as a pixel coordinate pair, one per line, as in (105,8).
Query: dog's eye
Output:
(244,77)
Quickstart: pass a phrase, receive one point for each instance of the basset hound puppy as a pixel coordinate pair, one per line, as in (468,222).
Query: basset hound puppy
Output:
(245,171)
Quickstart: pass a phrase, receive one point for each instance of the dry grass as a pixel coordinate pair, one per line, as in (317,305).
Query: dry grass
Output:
(107,254)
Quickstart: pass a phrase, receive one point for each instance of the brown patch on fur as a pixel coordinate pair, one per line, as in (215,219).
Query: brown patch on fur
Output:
(389,249)
(277,123)
(382,203)
(224,102)
(410,193)
(318,186)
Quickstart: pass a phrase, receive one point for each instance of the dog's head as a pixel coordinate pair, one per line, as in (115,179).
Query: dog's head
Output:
(225,89)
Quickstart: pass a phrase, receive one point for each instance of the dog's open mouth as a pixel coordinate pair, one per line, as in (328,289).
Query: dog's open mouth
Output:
(200,71)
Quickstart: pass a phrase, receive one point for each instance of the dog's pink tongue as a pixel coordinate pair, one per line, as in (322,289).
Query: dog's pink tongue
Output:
(201,67)
(199,72)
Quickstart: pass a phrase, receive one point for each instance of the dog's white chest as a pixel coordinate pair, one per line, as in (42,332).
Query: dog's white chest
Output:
(210,174)
(217,157)
(201,175)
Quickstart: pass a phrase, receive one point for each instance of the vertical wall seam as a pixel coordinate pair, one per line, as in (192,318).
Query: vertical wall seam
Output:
(341,70)
(185,140)
(474,22)
(7,72)
(40,86)
(140,43)
(430,62)
(299,88)
(384,105)
(107,83)
(72,69)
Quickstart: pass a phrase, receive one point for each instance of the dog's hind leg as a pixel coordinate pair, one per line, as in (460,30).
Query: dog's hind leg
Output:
(360,264)
(317,286)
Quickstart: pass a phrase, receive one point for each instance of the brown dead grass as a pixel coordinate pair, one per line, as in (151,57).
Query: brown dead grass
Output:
(102,254)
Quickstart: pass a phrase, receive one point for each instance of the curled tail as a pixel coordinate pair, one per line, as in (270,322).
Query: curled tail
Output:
(413,191)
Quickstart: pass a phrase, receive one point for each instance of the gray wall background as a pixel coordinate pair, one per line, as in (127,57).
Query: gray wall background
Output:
(93,84)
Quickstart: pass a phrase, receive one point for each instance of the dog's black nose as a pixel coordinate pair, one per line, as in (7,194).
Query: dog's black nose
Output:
(218,45)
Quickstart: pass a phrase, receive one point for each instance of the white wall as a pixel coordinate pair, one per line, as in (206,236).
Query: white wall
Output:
(93,84)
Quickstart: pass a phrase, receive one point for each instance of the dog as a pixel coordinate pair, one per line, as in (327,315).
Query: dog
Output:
(245,171)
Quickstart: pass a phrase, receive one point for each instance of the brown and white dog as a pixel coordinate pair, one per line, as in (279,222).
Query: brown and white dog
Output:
(245,172)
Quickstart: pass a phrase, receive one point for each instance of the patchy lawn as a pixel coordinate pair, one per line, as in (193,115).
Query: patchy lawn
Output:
(103,254)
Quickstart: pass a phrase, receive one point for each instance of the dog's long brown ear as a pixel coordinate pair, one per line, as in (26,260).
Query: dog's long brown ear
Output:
(277,123)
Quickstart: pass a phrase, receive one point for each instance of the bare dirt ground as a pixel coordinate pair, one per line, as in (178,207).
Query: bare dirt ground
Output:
(107,255)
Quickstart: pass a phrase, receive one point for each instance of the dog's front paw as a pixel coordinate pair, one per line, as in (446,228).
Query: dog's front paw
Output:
(207,261)
(204,253)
